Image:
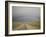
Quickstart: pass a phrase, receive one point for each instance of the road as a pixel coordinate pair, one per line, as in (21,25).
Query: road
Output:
(25,27)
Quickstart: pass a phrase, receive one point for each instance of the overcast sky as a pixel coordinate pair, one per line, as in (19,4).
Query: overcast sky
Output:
(25,13)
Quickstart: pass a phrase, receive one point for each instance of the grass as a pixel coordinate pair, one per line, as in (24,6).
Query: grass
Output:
(35,24)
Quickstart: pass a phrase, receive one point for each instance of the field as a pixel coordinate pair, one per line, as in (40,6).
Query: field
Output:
(35,24)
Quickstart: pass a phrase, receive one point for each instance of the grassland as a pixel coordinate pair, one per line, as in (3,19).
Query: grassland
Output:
(26,25)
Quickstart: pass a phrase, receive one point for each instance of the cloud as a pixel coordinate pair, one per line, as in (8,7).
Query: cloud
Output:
(18,11)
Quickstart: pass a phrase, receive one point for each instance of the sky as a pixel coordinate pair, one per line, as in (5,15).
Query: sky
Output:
(24,13)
